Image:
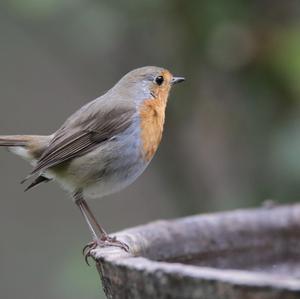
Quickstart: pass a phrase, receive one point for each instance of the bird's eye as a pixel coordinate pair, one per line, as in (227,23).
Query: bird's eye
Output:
(159,80)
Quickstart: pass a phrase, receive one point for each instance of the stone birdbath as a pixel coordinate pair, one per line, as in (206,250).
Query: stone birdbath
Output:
(244,254)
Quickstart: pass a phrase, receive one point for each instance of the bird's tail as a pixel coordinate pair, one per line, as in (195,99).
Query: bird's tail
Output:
(15,140)
(30,147)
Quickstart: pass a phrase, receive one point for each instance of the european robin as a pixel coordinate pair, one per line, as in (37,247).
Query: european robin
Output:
(104,146)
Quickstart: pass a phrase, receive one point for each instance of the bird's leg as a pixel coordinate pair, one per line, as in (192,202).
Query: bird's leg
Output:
(103,239)
(103,234)
(86,218)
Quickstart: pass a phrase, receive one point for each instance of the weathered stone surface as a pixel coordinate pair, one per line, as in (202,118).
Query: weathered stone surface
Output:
(245,254)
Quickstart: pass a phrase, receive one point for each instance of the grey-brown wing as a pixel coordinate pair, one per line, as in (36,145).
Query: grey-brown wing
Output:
(71,142)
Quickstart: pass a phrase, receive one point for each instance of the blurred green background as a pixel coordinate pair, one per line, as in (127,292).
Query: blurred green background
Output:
(232,136)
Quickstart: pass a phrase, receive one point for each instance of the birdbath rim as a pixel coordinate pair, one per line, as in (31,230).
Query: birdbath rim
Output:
(152,247)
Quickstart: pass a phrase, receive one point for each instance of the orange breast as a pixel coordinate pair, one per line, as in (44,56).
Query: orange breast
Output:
(152,114)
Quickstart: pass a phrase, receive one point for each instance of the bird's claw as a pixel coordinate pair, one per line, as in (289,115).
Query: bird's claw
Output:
(104,242)
(113,241)
(86,251)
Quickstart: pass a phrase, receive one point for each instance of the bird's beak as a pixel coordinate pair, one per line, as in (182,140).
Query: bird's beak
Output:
(176,80)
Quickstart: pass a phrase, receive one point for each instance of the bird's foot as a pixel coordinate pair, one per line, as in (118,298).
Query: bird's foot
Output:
(103,242)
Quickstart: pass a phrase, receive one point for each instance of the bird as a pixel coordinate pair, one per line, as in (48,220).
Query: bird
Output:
(104,146)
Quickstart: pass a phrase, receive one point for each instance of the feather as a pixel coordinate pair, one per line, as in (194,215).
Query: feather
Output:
(38,180)
(82,134)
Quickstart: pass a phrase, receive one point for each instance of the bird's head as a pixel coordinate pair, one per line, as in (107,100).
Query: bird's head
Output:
(148,82)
